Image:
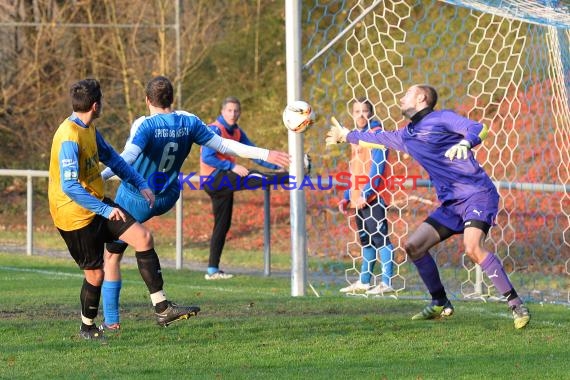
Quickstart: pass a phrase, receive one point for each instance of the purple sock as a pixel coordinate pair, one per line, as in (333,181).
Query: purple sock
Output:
(496,273)
(429,273)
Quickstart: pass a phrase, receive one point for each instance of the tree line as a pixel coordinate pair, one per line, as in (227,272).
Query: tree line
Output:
(226,48)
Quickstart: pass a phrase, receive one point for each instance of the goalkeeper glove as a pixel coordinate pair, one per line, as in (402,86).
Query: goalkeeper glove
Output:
(458,151)
(337,133)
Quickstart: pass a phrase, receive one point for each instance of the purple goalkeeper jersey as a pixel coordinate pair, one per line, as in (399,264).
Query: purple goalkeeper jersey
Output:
(426,139)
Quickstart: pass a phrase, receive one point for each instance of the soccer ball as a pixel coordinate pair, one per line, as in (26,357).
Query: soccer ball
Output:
(298,116)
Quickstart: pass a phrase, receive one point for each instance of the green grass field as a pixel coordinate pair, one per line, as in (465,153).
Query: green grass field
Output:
(250,327)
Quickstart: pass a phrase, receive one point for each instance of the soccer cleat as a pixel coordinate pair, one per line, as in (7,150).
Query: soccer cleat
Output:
(112,327)
(380,290)
(219,275)
(91,333)
(175,313)
(435,312)
(355,287)
(521,315)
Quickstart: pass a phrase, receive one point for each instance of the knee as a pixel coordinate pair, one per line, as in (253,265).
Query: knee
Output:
(412,250)
(94,276)
(99,278)
(147,238)
(112,259)
(144,241)
(475,251)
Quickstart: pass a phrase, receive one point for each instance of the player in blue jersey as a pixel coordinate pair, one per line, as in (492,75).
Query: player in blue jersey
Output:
(440,140)
(371,223)
(86,219)
(156,148)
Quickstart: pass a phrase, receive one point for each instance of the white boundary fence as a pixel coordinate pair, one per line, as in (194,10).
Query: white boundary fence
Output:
(30,174)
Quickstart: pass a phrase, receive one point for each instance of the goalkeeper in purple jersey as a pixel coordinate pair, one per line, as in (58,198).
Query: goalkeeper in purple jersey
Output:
(157,147)
(440,140)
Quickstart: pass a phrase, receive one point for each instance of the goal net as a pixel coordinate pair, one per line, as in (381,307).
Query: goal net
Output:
(505,63)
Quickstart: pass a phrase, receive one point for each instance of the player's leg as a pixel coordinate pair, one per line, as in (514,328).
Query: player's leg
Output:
(86,247)
(368,264)
(387,259)
(480,214)
(431,232)
(112,285)
(368,253)
(140,238)
(222,207)
(90,298)
(137,206)
(377,225)
(368,249)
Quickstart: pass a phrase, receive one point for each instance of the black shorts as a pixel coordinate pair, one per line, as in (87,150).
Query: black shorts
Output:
(86,245)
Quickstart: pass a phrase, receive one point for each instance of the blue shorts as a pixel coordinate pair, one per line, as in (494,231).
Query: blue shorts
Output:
(454,215)
(137,206)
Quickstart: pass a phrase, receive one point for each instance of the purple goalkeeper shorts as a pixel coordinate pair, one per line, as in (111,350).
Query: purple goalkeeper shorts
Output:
(455,214)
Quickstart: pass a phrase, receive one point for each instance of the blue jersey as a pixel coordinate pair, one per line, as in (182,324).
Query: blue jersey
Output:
(426,139)
(165,141)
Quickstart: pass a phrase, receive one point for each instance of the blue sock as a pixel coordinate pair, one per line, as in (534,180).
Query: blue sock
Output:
(387,264)
(212,270)
(368,261)
(110,292)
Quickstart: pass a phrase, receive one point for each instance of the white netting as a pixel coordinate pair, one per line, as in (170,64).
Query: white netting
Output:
(546,12)
(505,63)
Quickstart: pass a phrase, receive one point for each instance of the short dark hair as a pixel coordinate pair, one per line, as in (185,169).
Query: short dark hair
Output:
(365,100)
(430,93)
(160,92)
(231,99)
(84,94)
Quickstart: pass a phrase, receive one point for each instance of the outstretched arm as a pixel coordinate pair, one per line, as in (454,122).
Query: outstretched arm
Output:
(235,148)
(339,134)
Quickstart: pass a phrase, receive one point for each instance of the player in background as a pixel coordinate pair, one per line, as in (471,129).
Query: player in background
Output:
(228,177)
(86,219)
(440,140)
(156,148)
(371,222)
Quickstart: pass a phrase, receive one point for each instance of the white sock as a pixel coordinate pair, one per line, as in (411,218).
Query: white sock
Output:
(157,297)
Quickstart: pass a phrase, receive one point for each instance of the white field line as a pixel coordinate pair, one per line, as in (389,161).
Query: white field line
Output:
(80,275)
